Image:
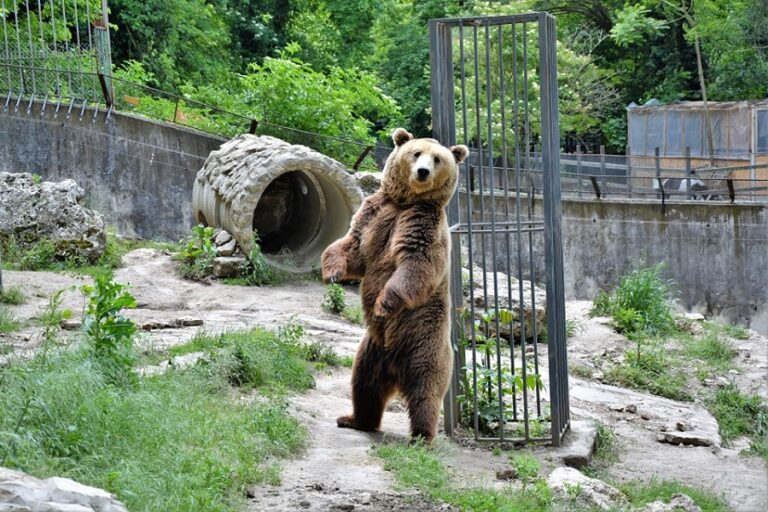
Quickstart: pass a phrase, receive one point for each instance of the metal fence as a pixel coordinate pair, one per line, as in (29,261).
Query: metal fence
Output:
(501,73)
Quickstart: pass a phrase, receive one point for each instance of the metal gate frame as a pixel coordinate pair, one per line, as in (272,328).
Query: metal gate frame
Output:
(444,119)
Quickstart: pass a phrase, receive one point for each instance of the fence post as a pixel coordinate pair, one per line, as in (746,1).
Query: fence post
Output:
(578,166)
(657,161)
(688,172)
(602,168)
(629,171)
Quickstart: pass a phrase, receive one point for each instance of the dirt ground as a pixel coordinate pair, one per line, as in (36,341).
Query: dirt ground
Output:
(338,472)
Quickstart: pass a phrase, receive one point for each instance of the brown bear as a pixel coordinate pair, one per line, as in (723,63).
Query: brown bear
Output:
(398,246)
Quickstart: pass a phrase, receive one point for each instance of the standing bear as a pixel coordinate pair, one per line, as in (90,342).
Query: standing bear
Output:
(398,246)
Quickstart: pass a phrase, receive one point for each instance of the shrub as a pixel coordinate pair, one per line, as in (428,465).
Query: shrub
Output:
(13,295)
(197,254)
(335,298)
(257,271)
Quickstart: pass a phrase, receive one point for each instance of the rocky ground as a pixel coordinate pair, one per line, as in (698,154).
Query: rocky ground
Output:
(338,471)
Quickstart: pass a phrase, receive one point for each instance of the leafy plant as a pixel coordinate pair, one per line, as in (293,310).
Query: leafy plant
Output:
(51,318)
(335,299)
(738,414)
(257,270)
(8,322)
(353,314)
(198,253)
(109,333)
(12,295)
(527,466)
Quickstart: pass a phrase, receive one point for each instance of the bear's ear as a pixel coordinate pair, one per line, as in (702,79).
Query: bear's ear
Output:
(400,136)
(460,152)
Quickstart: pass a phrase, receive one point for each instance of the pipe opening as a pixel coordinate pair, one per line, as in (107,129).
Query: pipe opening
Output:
(289,213)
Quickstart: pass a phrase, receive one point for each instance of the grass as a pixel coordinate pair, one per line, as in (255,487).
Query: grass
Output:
(8,322)
(12,295)
(653,368)
(420,468)
(580,370)
(711,349)
(739,415)
(353,314)
(605,444)
(183,440)
(640,493)
(527,466)
(732,331)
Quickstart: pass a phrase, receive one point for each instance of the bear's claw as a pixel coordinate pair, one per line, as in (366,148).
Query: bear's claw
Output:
(346,422)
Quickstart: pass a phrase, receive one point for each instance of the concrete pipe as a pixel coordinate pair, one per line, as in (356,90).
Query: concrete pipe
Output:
(297,200)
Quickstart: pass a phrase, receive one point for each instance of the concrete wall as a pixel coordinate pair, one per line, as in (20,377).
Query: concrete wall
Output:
(716,254)
(136,172)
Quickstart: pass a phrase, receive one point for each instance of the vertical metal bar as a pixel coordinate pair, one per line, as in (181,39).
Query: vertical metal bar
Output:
(629,171)
(657,163)
(558,365)
(6,46)
(88,20)
(57,87)
(602,169)
(492,187)
(79,51)
(67,57)
(578,166)
(688,172)
(22,85)
(518,170)
(31,49)
(43,48)
(443,124)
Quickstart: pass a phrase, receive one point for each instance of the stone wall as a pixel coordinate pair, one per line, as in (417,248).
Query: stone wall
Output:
(137,173)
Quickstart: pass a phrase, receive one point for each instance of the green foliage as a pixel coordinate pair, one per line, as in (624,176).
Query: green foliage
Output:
(420,468)
(12,295)
(108,332)
(8,322)
(347,361)
(738,415)
(257,271)
(353,314)
(714,350)
(651,368)
(335,299)
(605,444)
(641,493)
(640,304)
(40,255)
(527,466)
(174,442)
(51,319)
(197,255)
(633,25)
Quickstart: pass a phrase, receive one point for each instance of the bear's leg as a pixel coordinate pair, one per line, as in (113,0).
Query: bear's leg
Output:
(372,387)
(424,393)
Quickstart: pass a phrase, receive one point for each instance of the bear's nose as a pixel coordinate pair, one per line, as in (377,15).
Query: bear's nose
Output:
(422,173)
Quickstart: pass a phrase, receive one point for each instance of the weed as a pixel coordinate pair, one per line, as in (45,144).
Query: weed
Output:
(197,255)
(13,295)
(640,303)
(347,361)
(733,331)
(579,370)
(417,467)
(526,465)
(651,370)
(640,493)
(41,255)
(8,322)
(711,348)
(319,352)
(257,270)
(605,443)
(738,414)
(51,318)
(109,334)
(353,314)
(335,299)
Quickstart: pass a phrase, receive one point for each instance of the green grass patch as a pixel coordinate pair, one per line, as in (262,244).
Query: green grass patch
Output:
(738,415)
(653,368)
(712,349)
(641,493)
(732,331)
(347,361)
(183,440)
(353,314)
(605,444)
(8,322)
(420,468)
(12,295)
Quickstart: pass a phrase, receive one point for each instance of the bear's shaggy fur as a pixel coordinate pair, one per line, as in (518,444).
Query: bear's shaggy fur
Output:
(398,245)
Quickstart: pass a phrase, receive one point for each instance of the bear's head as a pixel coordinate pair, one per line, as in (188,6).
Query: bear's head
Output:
(421,170)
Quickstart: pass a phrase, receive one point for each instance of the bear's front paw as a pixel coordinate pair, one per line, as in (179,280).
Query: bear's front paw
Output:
(386,304)
(346,422)
(333,270)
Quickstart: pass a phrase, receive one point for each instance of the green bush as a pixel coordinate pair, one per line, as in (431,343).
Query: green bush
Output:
(197,254)
(257,271)
(335,298)
(640,304)
(12,295)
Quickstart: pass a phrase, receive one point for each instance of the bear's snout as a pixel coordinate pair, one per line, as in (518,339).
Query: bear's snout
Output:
(422,173)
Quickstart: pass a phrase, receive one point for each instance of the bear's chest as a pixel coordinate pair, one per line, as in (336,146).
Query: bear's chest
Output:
(378,234)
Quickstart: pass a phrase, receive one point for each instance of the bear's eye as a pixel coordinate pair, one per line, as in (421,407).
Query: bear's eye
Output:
(417,154)
(437,159)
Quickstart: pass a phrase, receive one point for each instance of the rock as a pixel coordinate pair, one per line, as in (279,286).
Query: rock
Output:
(369,182)
(506,474)
(682,426)
(304,504)
(687,439)
(578,445)
(631,408)
(678,503)
(33,211)
(188,321)
(486,301)
(184,321)
(23,492)
(222,237)
(227,266)
(572,486)
(691,327)
(694,317)
(227,249)
(70,324)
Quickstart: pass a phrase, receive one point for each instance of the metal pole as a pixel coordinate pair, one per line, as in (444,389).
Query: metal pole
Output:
(602,168)
(688,171)
(657,162)
(629,172)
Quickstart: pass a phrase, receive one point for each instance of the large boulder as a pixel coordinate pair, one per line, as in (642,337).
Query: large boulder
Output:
(22,492)
(574,487)
(32,210)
